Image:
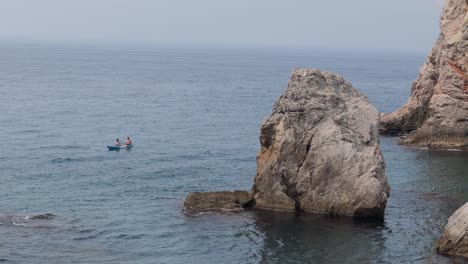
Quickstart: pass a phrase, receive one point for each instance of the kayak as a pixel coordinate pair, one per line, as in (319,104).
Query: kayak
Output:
(119,147)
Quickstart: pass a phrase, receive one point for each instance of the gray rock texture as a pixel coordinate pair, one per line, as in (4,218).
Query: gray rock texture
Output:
(320,150)
(454,239)
(436,115)
(197,202)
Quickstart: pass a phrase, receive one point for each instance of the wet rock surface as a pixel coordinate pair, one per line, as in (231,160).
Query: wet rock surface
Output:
(197,202)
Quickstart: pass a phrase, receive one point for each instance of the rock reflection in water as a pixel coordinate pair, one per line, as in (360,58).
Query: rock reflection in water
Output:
(412,224)
(321,239)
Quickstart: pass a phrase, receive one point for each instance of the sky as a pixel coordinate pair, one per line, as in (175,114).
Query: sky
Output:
(350,24)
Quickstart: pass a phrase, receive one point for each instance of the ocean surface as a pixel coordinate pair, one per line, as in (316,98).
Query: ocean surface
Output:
(194,116)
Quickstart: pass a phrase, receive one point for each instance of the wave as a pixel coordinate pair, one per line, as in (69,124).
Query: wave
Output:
(63,147)
(79,159)
(62,160)
(90,234)
(27,131)
(128,237)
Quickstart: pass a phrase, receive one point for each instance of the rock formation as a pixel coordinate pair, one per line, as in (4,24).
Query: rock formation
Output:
(454,240)
(436,115)
(217,201)
(320,150)
(319,153)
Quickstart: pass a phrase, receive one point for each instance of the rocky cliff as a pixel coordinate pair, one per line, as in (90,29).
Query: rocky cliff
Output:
(320,150)
(454,240)
(436,115)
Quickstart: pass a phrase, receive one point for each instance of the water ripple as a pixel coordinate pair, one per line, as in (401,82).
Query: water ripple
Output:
(64,105)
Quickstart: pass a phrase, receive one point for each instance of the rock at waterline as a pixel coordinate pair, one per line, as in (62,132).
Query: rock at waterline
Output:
(454,239)
(320,150)
(436,115)
(319,153)
(197,202)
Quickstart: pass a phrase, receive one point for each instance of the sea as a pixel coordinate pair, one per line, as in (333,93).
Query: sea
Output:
(194,115)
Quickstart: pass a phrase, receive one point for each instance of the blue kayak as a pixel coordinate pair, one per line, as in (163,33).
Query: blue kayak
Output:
(119,147)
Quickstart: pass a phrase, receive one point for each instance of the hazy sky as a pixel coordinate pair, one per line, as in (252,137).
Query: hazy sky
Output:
(375,24)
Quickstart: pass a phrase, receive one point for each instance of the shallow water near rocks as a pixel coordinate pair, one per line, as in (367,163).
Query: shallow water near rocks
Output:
(194,116)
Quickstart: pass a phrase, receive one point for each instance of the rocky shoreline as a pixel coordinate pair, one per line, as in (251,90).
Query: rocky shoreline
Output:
(320,148)
(436,114)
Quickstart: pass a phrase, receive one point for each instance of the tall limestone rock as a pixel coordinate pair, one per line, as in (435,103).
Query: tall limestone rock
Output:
(436,115)
(319,153)
(320,150)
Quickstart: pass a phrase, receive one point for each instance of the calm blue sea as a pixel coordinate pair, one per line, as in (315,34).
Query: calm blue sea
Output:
(194,116)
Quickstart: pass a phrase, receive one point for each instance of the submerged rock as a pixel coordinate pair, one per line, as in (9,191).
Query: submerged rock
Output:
(45,216)
(218,201)
(320,150)
(436,115)
(454,240)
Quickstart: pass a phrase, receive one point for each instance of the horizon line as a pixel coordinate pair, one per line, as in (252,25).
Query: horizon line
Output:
(201,46)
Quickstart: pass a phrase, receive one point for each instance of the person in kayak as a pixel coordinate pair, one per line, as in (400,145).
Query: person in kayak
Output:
(128,142)
(117,142)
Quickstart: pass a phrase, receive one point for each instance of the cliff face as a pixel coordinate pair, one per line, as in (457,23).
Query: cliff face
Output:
(436,115)
(320,150)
